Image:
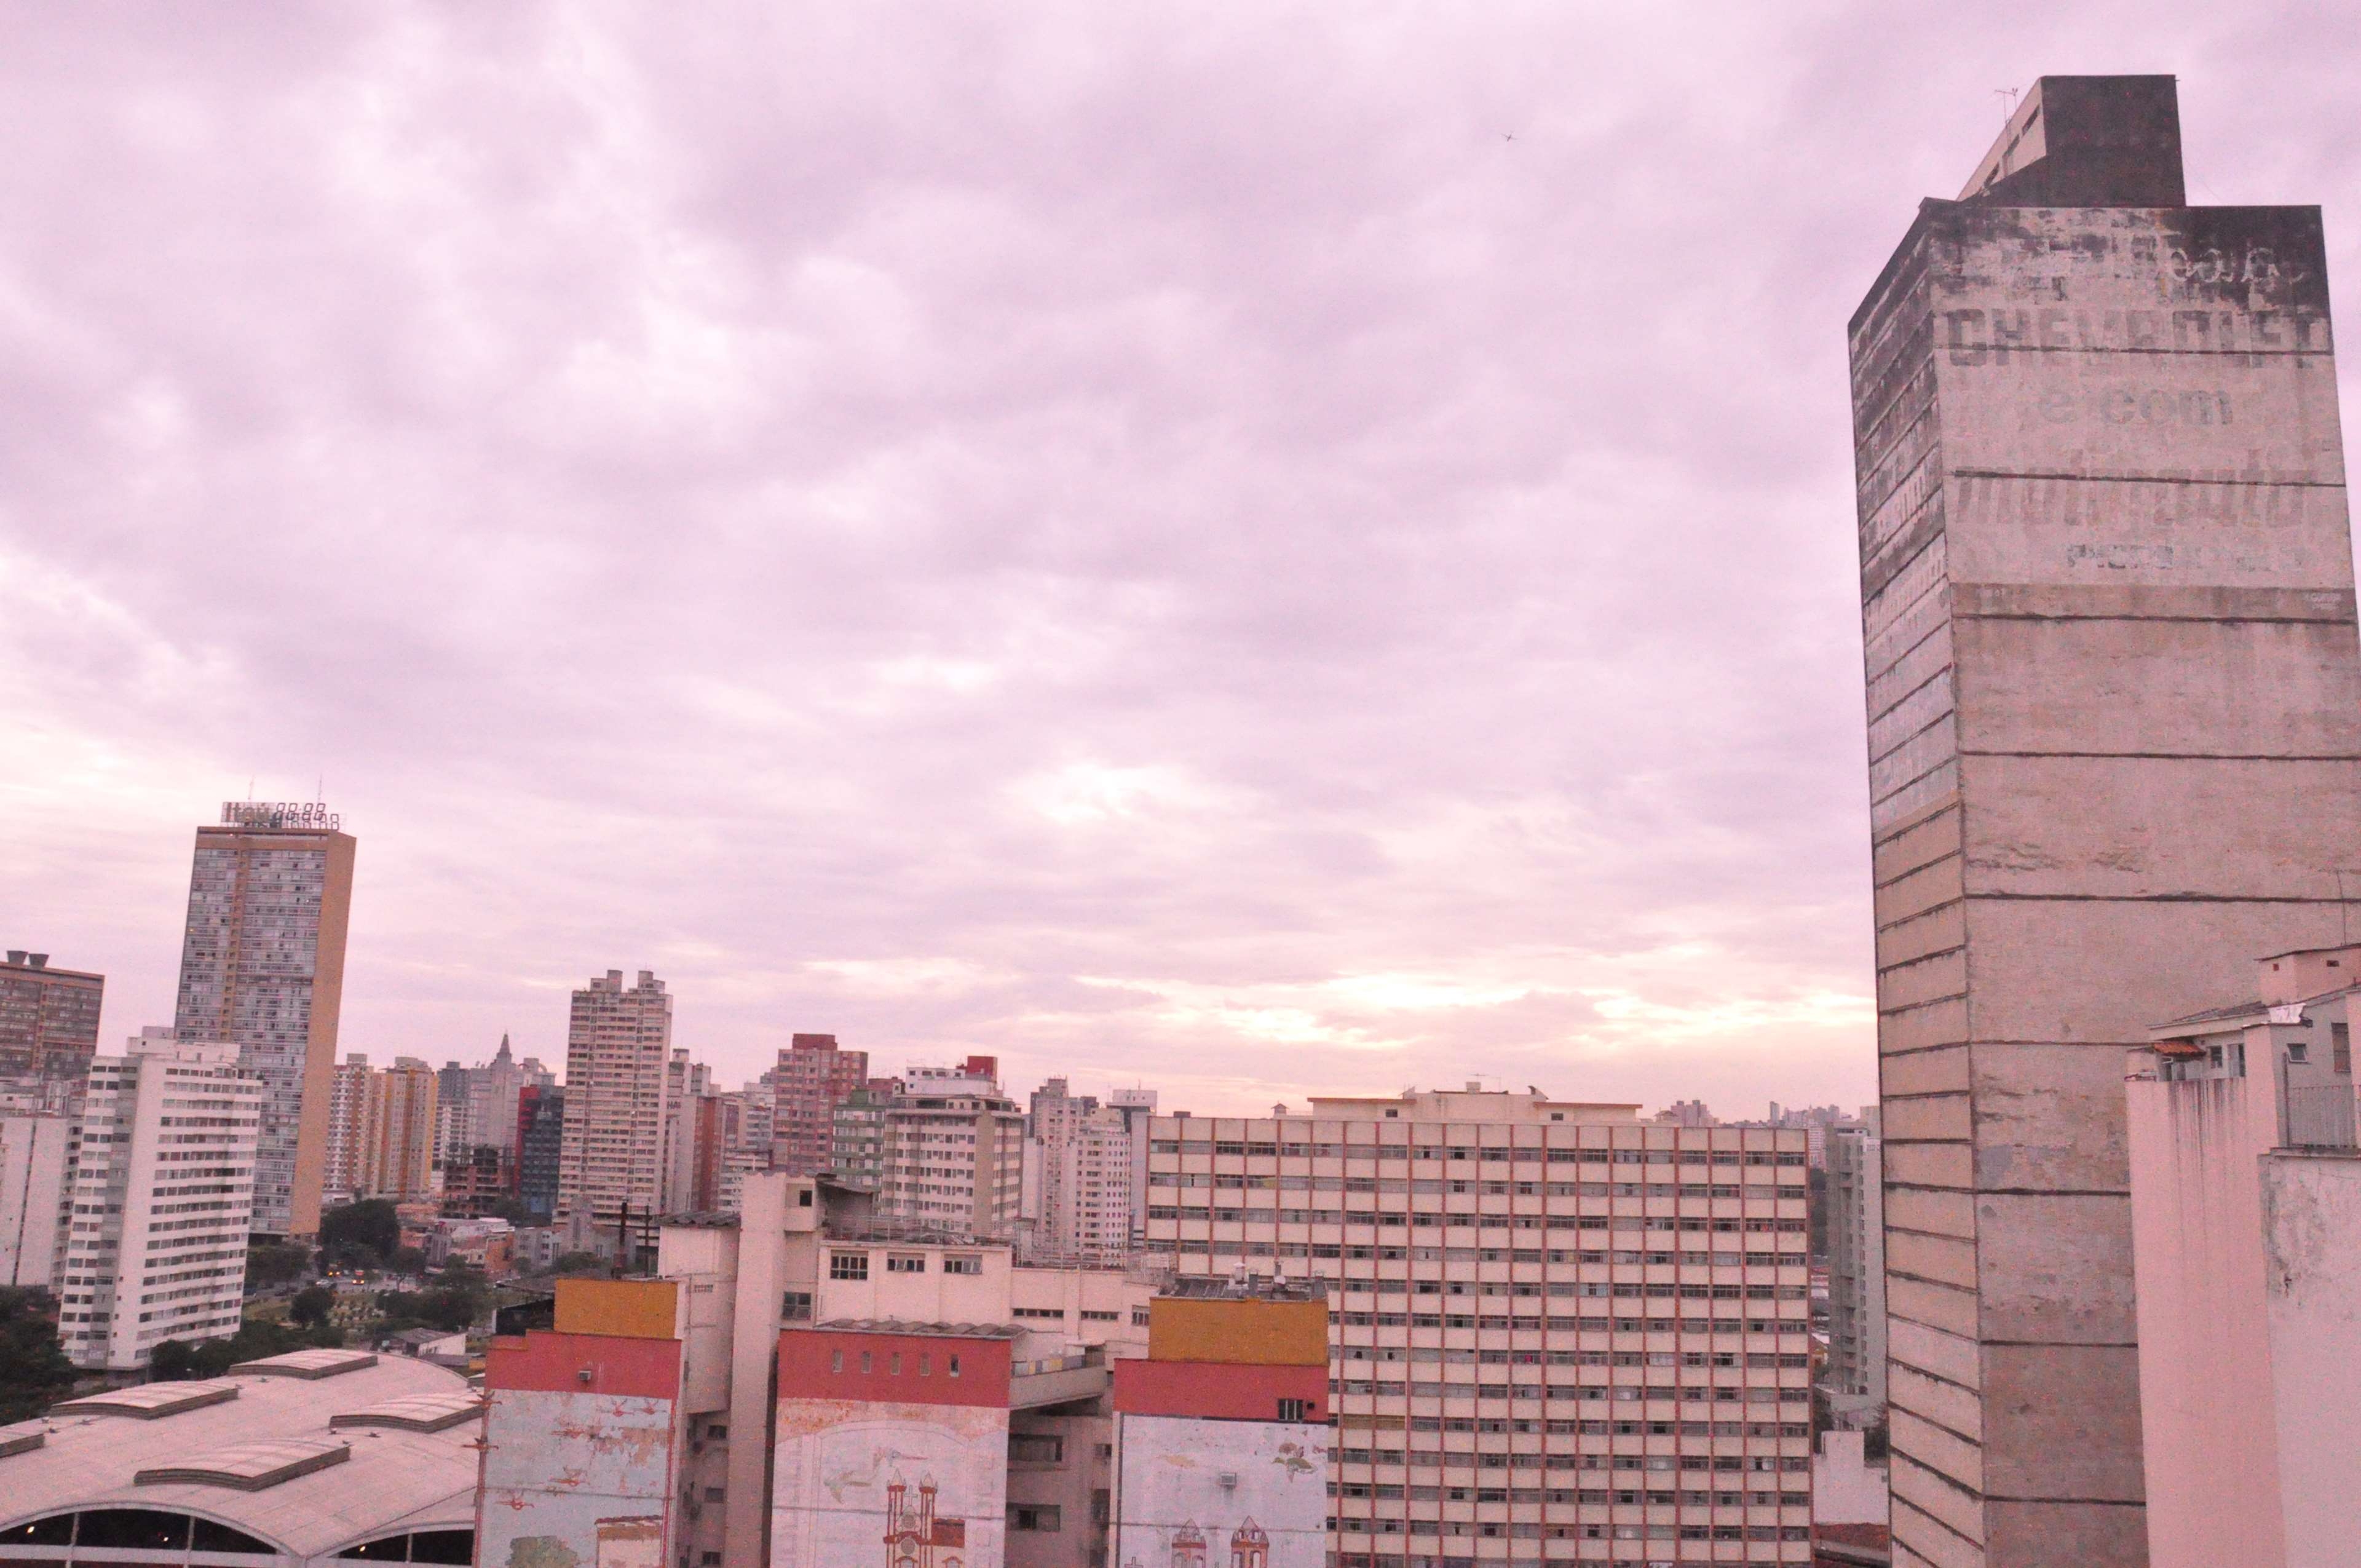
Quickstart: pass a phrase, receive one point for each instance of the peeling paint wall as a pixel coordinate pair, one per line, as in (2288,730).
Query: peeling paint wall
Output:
(2204,1356)
(839,1462)
(2312,1210)
(573,1480)
(1181,1476)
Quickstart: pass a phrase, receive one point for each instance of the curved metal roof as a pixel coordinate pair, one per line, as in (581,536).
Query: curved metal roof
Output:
(397,1477)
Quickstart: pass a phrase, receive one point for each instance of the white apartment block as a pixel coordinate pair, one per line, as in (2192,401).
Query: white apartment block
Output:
(617,1077)
(1855,1378)
(32,1189)
(347,1107)
(1560,1335)
(1077,1160)
(159,1203)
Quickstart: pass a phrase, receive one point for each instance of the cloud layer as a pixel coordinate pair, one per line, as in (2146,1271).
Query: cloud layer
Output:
(1260,551)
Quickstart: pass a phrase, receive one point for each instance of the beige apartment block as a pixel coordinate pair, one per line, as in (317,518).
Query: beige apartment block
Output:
(1559,1333)
(943,1146)
(618,1104)
(262,966)
(2114,709)
(49,1032)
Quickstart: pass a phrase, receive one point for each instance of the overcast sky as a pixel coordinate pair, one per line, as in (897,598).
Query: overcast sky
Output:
(1249,549)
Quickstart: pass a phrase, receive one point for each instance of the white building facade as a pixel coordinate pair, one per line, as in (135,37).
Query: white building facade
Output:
(617,1081)
(32,1190)
(159,1199)
(1856,1209)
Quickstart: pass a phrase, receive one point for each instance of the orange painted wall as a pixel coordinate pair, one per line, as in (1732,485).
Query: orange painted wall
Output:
(1238,1332)
(633,1309)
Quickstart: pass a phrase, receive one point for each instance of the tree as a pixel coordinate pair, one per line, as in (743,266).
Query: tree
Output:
(34,1371)
(275,1263)
(173,1361)
(367,1232)
(578,1263)
(311,1306)
(406,1260)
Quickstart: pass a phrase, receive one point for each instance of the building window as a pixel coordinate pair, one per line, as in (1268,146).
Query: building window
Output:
(1140,1317)
(1046,1518)
(905,1263)
(963,1263)
(713,1494)
(716,1429)
(1295,1410)
(952,1370)
(865,1364)
(848,1266)
(836,1361)
(795,1306)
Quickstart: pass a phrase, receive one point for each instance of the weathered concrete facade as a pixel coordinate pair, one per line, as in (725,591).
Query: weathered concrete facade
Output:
(2114,709)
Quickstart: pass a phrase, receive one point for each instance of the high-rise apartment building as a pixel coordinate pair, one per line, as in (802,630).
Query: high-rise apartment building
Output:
(1080,1177)
(1559,1332)
(2114,711)
(941,1147)
(397,1158)
(541,1134)
(49,1031)
(340,1168)
(262,967)
(617,1103)
(814,1076)
(32,1191)
(1855,1376)
(159,1200)
(691,1123)
(382,1130)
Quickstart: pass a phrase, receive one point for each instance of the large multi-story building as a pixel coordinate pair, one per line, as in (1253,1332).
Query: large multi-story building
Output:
(159,1200)
(1560,1332)
(940,1146)
(382,1130)
(814,1076)
(691,1126)
(541,1143)
(1855,1376)
(617,1105)
(262,967)
(454,1132)
(2114,717)
(492,1101)
(49,1031)
(1081,1180)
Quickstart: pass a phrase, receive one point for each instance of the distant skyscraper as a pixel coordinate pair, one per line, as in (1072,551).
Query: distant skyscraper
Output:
(541,1140)
(1079,1176)
(262,968)
(492,1111)
(340,1179)
(617,1076)
(159,1202)
(2114,708)
(398,1139)
(814,1074)
(1856,1214)
(944,1149)
(48,1030)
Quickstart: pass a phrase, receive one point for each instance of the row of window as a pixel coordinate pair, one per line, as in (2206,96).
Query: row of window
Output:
(1523,1532)
(1563,1427)
(1724,1225)
(867,1359)
(855,1265)
(1385,1491)
(1437,1187)
(1426,1151)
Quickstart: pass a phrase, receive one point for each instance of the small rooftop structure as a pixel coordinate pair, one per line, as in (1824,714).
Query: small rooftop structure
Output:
(306,1364)
(248,1467)
(150,1401)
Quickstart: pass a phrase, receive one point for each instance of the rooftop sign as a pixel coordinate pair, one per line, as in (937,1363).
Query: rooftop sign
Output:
(309,814)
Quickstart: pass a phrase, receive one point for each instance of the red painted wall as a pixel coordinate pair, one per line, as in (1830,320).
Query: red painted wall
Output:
(554,1362)
(1217,1390)
(808,1368)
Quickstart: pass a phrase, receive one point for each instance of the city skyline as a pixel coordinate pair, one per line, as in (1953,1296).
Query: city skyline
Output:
(1242,602)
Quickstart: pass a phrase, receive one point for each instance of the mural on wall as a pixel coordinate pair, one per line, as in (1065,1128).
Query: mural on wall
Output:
(858,1483)
(575,1480)
(1212,1494)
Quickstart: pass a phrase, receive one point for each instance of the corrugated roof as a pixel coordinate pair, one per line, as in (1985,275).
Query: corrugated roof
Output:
(421,1412)
(394,1479)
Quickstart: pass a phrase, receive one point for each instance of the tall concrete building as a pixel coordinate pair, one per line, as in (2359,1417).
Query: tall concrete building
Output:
(1855,1378)
(397,1145)
(2115,710)
(1558,1333)
(340,1168)
(262,967)
(159,1199)
(49,1031)
(814,1076)
(617,1105)
(541,1144)
(943,1146)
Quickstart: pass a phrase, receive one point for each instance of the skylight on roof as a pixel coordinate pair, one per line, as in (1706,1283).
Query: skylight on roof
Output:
(325,1362)
(149,1401)
(248,1467)
(418,1412)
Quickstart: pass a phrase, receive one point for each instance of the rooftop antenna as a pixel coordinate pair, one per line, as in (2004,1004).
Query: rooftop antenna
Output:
(2012,95)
